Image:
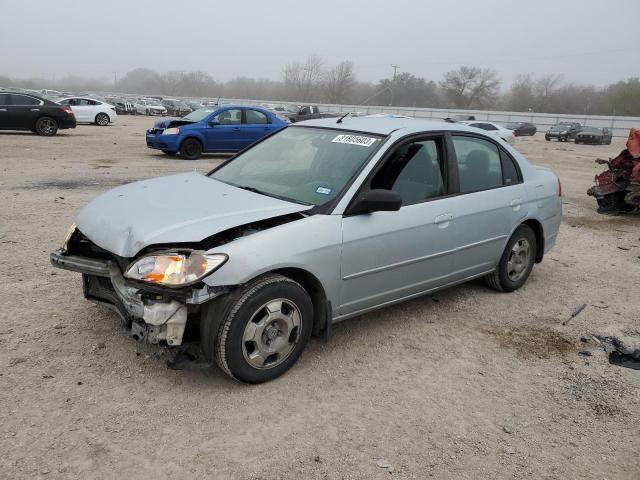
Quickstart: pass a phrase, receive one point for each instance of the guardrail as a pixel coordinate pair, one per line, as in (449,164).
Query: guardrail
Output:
(619,125)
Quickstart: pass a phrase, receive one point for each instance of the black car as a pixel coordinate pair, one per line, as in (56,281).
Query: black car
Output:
(123,105)
(521,129)
(598,136)
(21,111)
(563,131)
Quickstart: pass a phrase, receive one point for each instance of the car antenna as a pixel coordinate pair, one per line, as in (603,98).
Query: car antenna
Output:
(343,116)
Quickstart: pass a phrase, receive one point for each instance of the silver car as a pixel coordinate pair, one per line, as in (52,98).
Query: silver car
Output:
(320,222)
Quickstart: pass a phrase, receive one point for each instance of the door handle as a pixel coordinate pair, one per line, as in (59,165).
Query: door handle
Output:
(443,220)
(35,109)
(3,109)
(515,204)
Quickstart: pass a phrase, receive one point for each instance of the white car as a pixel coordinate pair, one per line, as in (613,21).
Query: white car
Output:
(149,107)
(493,129)
(90,110)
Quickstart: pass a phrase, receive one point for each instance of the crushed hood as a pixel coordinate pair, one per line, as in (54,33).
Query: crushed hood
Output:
(170,122)
(187,207)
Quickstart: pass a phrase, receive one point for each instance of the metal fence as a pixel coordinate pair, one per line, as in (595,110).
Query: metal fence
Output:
(619,125)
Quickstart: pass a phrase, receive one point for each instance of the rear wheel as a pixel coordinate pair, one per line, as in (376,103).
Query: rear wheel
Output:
(190,149)
(516,262)
(264,329)
(102,119)
(46,126)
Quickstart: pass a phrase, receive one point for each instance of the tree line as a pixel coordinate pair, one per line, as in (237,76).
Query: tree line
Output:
(311,80)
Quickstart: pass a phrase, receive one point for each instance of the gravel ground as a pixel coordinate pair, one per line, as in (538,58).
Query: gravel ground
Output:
(465,383)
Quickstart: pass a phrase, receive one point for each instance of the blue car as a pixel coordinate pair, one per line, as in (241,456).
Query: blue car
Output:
(227,129)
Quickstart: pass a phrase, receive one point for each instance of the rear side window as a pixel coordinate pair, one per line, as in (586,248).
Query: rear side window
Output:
(4,99)
(510,173)
(255,117)
(479,164)
(23,100)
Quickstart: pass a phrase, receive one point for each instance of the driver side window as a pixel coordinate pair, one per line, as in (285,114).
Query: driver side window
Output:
(229,117)
(414,171)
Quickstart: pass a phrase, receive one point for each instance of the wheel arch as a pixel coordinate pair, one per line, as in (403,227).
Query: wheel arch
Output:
(95,119)
(314,288)
(195,137)
(538,230)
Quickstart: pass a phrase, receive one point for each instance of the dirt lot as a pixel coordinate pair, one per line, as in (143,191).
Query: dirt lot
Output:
(466,383)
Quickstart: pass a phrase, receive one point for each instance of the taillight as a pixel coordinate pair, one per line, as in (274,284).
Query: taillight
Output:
(67,110)
(559,187)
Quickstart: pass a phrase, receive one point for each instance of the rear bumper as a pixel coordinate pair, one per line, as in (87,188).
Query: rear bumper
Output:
(69,122)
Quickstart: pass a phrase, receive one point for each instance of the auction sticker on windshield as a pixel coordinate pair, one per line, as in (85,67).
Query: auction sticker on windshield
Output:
(355,140)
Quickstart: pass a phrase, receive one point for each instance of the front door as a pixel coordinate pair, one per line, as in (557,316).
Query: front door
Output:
(388,256)
(225,135)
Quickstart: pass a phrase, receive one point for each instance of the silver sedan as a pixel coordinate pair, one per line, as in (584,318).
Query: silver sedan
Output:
(320,222)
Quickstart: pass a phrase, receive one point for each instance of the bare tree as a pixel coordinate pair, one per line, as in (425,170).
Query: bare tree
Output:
(338,81)
(304,78)
(521,96)
(545,88)
(470,87)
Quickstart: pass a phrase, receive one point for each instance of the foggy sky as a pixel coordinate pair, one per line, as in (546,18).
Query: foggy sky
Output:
(582,40)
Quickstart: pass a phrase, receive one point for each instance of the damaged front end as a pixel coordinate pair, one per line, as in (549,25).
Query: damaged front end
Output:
(153,313)
(617,190)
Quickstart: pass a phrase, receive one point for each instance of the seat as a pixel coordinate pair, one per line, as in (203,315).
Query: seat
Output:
(477,174)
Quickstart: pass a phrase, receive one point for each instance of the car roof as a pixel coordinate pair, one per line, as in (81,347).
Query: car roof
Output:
(387,125)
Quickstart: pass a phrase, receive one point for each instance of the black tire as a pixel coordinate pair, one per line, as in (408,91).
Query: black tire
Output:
(576,141)
(148,112)
(547,138)
(609,141)
(501,279)
(46,126)
(190,149)
(102,119)
(223,328)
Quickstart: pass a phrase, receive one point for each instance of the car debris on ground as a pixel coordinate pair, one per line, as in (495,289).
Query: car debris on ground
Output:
(619,354)
(617,189)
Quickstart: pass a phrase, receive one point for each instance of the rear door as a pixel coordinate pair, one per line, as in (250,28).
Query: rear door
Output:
(388,256)
(490,204)
(255,125)
(23,110)
(4,110)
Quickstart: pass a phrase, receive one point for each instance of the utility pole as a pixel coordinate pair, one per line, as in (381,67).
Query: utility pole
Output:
(395,73)
(395,70)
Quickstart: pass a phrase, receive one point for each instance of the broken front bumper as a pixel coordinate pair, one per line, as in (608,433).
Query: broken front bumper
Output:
(154,316)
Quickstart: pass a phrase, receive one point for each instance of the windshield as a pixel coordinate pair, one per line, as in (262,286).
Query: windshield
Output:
(301,164)
(198,115)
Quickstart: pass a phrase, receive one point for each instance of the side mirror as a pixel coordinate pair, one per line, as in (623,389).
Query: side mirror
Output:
(213,123)
(377,200)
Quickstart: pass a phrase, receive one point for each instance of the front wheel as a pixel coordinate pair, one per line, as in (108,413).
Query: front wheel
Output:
(264,329)
(190,149)
(516,262)
(46,126)
(102,119)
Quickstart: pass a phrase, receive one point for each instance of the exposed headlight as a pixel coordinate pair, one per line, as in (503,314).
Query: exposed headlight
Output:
(175,269)
(67,236)
(171,131)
